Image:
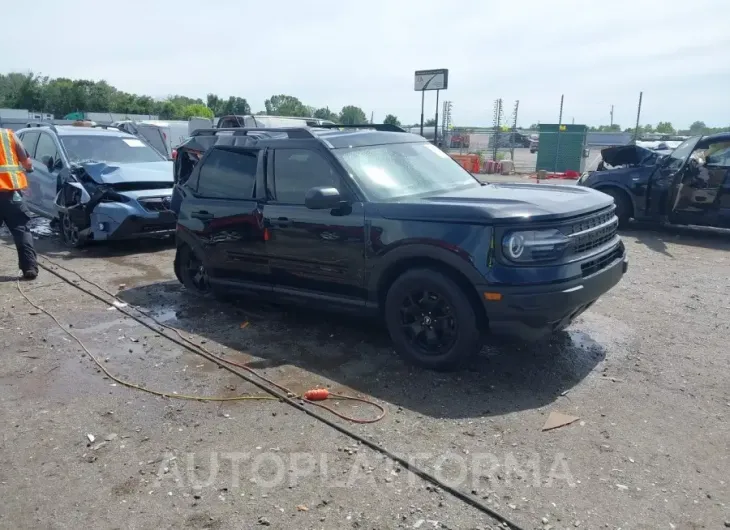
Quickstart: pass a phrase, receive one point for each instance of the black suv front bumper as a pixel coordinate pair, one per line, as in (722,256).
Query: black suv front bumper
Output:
(533,311)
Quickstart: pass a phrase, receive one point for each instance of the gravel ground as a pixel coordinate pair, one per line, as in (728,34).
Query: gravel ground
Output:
(645,371)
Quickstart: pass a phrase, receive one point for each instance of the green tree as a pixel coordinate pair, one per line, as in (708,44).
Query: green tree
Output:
(236,105)
(233,105)
(664,127)
(325,114)
(283,105)
(21,91)
(429,123)
(607,128)
(214,103)
(351,115)
(390,119)
(196,110)
(697,127)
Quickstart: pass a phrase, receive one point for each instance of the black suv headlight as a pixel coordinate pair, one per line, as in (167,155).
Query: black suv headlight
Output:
(529,246)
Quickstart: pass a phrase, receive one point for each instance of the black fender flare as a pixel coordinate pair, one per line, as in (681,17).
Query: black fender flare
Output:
(618,186)
(412,251)
(183,236)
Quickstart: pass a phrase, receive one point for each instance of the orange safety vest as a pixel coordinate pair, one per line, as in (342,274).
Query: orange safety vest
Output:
(12,176)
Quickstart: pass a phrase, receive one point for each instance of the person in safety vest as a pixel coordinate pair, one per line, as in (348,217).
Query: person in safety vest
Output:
(14,163)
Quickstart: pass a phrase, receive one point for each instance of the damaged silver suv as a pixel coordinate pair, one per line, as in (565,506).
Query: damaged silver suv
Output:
(98,183)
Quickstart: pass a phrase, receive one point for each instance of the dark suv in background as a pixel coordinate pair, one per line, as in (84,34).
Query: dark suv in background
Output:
(374,220)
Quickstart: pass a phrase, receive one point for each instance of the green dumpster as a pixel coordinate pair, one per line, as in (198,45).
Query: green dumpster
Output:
(562,148)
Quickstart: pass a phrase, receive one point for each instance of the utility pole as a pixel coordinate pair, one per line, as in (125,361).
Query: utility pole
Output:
(560,126)
(514,130)
(612,116)
(446,119)
(638,117)
(497,126)
(372,117)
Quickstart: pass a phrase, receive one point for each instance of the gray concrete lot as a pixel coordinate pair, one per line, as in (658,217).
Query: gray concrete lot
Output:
(645,370)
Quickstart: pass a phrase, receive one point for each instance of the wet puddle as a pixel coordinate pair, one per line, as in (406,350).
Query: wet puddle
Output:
(40,227)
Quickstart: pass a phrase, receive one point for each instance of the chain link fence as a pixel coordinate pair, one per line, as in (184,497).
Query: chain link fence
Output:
(518,151)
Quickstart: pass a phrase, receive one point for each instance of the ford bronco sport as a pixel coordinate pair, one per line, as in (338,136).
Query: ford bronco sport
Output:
(373,220)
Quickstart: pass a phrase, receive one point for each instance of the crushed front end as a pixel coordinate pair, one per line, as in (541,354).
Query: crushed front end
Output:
(94,207)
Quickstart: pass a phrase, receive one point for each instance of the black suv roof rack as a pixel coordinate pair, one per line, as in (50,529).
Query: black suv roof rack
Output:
(41,124)
(386,127)
(292,132)
(102,126)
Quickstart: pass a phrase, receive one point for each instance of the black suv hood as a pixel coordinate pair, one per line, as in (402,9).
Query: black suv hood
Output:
(629,155)
(500,203)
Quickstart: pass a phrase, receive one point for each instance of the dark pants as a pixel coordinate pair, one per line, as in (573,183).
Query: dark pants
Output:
(16,216)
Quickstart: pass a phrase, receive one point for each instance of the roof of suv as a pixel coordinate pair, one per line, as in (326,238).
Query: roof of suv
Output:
(354,138)
(75,130)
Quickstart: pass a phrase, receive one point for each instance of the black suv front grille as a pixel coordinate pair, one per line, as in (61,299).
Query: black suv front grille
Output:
(592,231)
(595,265)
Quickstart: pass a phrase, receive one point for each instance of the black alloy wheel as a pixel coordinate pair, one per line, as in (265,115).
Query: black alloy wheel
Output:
(431,320)
(428,321)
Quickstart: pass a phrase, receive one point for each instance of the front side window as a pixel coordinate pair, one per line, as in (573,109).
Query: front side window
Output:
(46,147)
(679,156)
(296,171)
(109,149)
(228,174)
(391,171)
(29,140)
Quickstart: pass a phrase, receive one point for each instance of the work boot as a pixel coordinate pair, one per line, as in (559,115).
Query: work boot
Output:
(30,274)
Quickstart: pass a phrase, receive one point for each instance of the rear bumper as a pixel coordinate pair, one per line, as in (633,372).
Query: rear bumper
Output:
(531,312)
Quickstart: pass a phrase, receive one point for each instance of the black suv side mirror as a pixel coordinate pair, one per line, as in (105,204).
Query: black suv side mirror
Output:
(323,198)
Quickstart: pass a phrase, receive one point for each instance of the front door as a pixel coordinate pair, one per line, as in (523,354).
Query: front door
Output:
(313,252)
(664,181)
(32,194)
(701,196)
(47,164)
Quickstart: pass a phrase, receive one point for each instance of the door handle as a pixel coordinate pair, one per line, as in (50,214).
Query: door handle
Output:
(202,215)
(281,222)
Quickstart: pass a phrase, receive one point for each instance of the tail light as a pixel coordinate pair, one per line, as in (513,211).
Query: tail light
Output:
(174,154)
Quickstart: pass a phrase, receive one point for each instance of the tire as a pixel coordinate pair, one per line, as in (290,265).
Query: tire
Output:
(423,303)
(191,272)
(624,209)
(70,233)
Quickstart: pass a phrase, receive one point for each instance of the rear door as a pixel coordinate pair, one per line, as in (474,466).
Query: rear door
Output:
(319,253)
(225,217)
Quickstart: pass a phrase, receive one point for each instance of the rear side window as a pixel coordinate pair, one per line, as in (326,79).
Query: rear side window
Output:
(296,171)
(228,174)
(228,123)
(29,141)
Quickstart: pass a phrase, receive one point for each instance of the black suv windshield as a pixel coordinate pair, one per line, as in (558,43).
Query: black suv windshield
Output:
(391,171)
(117,149)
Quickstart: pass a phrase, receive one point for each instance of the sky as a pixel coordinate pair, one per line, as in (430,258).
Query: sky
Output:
(364,53)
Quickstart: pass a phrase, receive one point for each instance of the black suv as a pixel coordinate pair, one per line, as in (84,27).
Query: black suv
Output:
(374,220)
